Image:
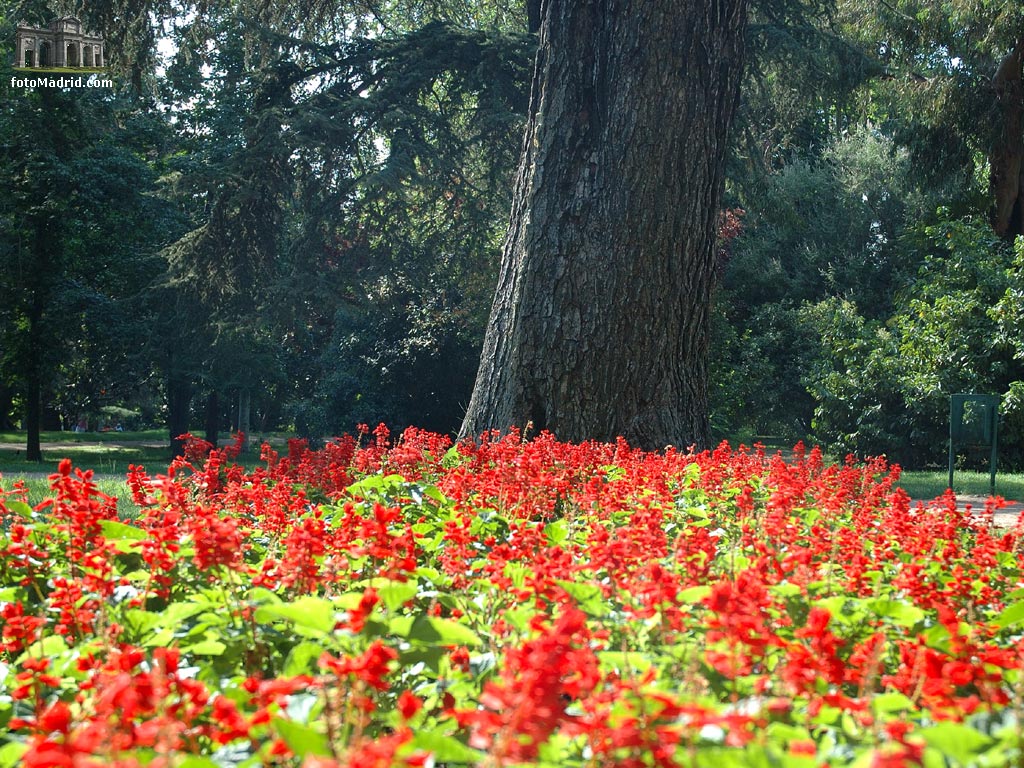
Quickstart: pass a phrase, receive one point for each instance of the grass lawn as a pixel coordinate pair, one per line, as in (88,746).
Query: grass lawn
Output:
(928,485)
(111,485)
(101,458)
(148,435)
(108,454)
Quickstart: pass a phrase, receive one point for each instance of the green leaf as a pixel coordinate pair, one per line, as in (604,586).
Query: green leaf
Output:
(1010,615)
(902,614)
(783,732)
(374,485)
(518,572)
(315,613)
(401,625)
(557,533)
(587,596)
(141,622)
(301,739)
(196,761)
(19,508)
(520,617)
(10,754)
(955,740)
(452,458)
(432,630)
(261,595)
(937,637)
(205,647)
(49,647)
(430,656)
(891,701)
(300,658)
(625,662)
(432,575)
(114,530)
(434,493)
(835,605)
(446,749)
(395,594)
(785,589)
(693,595)
(176,613)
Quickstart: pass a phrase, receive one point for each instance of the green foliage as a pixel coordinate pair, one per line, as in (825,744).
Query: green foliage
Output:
(884,387)
(357,183)
(826,229)
(852,379)
(935,97)
(80,228)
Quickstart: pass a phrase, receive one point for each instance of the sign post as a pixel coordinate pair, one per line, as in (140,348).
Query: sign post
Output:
(974,423)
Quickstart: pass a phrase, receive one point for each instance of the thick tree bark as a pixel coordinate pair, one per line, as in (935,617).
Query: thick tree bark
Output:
(600,321)
(179,401)
(44,245)
(34,366)
(1006,158)
(33,415)
(6,403)
(244,407)
(212,418)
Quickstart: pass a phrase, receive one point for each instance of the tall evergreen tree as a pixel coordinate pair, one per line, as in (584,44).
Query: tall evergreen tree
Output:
(79,231)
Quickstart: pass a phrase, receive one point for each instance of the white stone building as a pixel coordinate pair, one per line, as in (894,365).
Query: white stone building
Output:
(64,43)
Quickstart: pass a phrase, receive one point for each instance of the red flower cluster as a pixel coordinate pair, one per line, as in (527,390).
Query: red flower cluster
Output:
(502,601)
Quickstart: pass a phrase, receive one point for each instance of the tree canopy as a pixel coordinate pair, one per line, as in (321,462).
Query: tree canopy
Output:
(291,215)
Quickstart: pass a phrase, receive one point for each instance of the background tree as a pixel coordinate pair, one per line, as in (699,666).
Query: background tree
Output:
(952,91)
(77,233)
(349,180)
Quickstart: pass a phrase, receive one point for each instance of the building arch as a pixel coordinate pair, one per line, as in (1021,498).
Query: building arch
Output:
(63,43)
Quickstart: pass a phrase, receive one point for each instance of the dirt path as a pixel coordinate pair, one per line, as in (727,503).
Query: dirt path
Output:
(1005,517)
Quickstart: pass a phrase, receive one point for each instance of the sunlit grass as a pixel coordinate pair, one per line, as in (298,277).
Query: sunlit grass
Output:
(148,435)
(39,490)
(102,459)
(928,485)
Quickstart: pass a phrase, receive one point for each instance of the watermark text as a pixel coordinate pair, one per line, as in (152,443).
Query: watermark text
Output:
(61,81)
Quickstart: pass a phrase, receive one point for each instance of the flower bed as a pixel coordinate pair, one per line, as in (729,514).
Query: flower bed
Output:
(507,602)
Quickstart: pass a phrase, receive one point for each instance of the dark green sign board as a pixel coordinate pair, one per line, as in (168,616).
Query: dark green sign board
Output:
(974,423)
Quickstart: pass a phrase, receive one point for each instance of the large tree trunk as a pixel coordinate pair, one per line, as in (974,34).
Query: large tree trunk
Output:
(244,406)
(179,402)
(600,320)
(33,414)
(212,418)
(1006,158)
(6,403)
(34,368)
(44,245)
